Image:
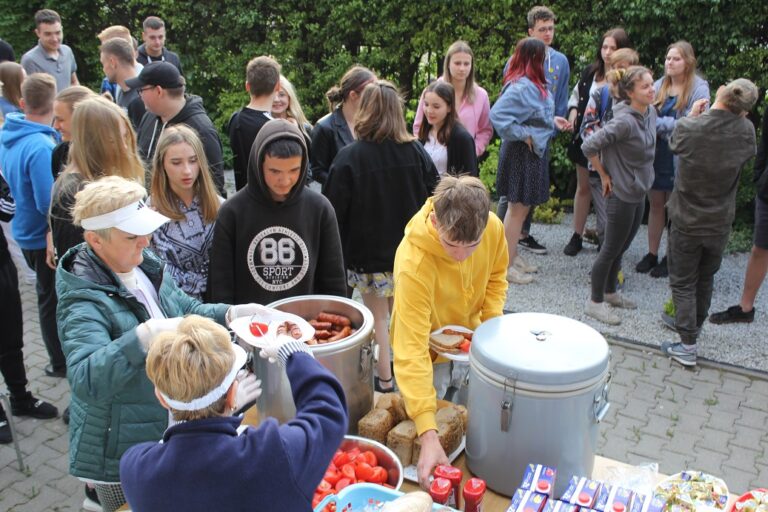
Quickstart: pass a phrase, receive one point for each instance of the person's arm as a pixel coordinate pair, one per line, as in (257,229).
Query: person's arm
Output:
(430,176)
(330,277)
(573,104)
(509,114)
(7,204)
(73,79)
(465,150)
(496,289)
(591,122)
(561,95)
(484,127)
(213,153)
(322,152)
(665,125)
(221,269)
(39,165)
(679,140)
(762,150)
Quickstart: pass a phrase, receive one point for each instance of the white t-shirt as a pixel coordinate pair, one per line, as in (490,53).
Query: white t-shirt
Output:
(439,154)
(141,287)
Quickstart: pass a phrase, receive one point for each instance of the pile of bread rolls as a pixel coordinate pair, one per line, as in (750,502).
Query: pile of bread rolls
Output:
(388,424)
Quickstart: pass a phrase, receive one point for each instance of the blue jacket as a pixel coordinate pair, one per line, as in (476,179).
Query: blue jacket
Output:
(521,112)
(205,465)
(558,73)
(113,402)
(25,159)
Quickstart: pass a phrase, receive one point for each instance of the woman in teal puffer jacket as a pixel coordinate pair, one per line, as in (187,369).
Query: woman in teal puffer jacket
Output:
(113,299)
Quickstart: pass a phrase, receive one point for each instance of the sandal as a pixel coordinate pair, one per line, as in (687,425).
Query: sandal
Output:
(377,385)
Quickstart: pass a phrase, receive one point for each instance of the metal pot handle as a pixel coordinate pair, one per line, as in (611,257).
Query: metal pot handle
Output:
(366,361)
(601,404)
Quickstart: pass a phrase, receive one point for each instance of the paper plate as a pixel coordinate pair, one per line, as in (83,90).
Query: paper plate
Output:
(462,357)
(273,318)
(693,490)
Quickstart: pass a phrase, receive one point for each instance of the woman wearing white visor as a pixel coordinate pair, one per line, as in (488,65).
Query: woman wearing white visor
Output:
(113,300)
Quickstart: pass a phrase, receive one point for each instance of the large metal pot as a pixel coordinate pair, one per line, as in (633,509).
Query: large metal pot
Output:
(350,360)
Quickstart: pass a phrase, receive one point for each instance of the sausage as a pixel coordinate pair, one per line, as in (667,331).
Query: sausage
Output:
(321,325)
(334,319)
(323,334)
(346,331)
(289,329)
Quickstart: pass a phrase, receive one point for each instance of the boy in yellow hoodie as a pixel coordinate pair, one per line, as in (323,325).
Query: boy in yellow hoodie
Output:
(450,269)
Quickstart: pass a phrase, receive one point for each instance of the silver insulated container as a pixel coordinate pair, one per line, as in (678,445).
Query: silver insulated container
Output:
(350,360)
(538,387)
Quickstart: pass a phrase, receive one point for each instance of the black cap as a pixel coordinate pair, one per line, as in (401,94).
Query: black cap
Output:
(162,73)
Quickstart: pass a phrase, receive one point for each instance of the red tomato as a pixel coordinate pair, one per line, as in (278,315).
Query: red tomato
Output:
(363,471)
(370,458)
(332,476)
(258,328)
(353,453)
(340,458)
(348,471)
(342,483)
(324,486)
(465,346)
(378,475)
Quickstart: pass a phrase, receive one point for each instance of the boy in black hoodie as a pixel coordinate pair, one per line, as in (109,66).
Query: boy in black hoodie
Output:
(276,238)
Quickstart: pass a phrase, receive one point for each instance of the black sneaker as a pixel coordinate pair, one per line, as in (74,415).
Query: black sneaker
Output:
(59,373)
(733,314)
(5,428)
(660,270)
(574,245)
(647,263)
(31,406)
(65,416)
(532,245)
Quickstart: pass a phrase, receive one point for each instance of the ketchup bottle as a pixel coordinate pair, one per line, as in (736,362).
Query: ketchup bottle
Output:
(474,490)
(453,475)
(440,490)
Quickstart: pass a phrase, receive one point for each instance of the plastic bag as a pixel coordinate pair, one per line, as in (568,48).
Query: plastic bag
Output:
(641,479)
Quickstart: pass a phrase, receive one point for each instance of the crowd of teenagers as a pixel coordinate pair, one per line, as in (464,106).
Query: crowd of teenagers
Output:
(141,261)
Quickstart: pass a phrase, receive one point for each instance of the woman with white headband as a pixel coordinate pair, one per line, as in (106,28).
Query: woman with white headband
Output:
(207,461)
(113,300)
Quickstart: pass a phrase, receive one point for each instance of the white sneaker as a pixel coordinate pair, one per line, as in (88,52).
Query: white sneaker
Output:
(618,300)
(517,277)
(523,266)
(599,311)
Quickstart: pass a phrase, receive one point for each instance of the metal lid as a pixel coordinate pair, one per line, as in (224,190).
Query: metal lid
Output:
(539,349)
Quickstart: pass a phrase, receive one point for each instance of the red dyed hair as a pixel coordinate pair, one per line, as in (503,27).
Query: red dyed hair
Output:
(528,61)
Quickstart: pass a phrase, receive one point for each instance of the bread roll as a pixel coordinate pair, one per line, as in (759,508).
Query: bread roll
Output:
(393,402)
(400,440)
(375,425)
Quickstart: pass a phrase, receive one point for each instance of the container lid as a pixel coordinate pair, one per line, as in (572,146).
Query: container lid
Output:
(539,349)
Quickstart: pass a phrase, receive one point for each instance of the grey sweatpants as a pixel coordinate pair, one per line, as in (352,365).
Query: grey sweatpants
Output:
(598,203)
(622,222)
(693,262)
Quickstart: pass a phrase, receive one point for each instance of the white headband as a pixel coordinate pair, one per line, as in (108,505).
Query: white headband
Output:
(136,218)
(216,393)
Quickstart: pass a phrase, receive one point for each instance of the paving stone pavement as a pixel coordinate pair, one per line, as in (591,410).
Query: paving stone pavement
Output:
(711,418)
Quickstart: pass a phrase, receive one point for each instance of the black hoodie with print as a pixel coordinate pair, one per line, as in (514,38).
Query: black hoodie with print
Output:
(264,250)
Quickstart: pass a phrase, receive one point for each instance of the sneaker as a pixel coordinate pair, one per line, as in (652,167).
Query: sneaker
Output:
(59,373)
(5,428)
(733,314)
(647,263)
(618,300)
(32,407)
(668,321)
(91,501)
(65,416)
(599,311)
(517,277)
(523,266)
(590,236)
(679,353)
(660,270)
(574,245)
(529,243)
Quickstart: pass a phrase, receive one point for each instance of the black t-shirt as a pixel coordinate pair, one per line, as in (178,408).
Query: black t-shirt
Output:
(243,127)
(59,158)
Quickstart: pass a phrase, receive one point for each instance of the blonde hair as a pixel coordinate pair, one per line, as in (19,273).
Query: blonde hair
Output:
(164,199)
(105,195)
(294,110)
(739,96)
(190,362)
(689,57)
(97,147)
(38,91)
(73,95)
(622,81)
(469,85)
(118,31)
(380,116)
(627,55)
(462,206)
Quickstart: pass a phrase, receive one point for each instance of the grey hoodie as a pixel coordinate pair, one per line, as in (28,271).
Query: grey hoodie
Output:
(627,144)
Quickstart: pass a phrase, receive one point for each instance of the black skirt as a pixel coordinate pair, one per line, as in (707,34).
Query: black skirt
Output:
(522,176)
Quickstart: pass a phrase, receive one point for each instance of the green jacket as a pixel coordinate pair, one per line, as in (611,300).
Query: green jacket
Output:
(113,402)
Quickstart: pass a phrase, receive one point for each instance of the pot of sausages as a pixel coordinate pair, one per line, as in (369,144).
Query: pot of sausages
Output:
(343,343)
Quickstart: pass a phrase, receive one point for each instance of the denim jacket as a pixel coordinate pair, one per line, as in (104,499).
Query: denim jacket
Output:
(521,112)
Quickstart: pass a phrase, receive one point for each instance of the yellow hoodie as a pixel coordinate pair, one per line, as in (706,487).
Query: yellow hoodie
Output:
(432,290)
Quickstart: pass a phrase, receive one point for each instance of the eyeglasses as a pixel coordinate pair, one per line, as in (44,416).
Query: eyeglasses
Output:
(142,89)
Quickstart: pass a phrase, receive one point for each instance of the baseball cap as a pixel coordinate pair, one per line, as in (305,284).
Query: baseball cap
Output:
(136,218)
(162,73)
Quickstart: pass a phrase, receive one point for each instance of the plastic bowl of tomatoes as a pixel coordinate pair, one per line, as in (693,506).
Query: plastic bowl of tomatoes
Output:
(360,460)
